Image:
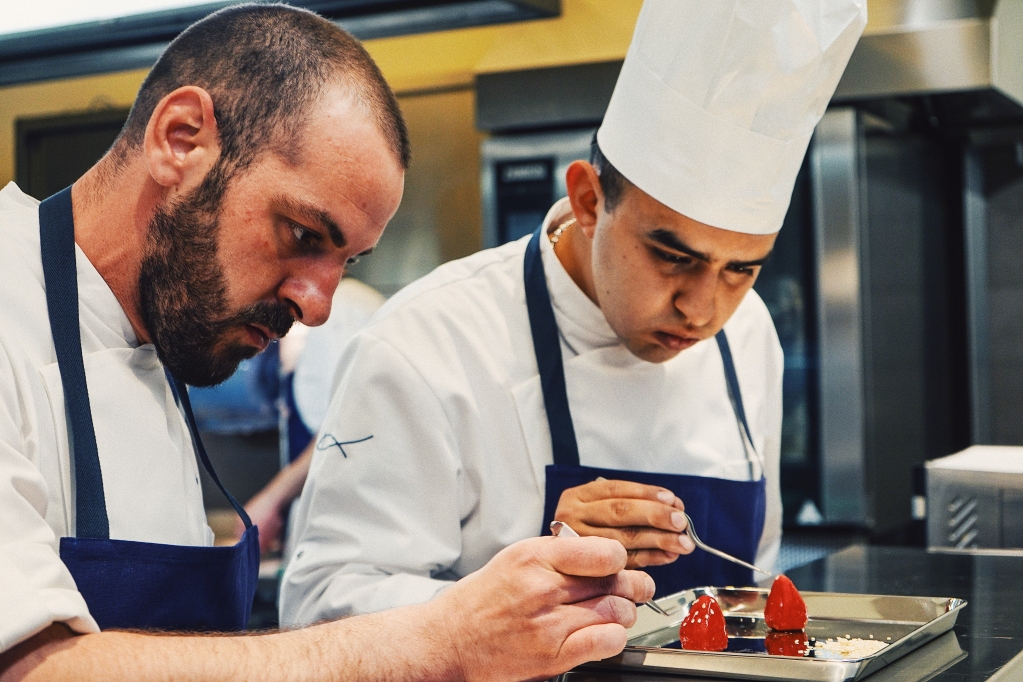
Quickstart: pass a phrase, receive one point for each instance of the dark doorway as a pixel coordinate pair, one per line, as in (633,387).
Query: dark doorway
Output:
(54,151)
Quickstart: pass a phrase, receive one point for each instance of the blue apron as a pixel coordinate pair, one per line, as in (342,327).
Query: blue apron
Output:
(729,515)
(127,584)
(296,434)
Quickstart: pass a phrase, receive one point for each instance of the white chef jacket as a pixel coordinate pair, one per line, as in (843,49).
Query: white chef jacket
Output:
(150,476)
(445,381)
(351,308)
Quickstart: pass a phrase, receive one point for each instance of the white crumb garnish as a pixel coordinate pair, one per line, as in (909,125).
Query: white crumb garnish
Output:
(847,647)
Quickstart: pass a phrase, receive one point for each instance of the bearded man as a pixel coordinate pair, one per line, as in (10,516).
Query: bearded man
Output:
(263,153)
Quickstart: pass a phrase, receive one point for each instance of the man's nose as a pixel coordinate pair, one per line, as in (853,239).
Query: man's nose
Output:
(308,295)
(696,297)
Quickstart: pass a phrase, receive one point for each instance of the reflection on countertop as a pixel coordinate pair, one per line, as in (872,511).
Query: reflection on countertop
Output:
(987,634)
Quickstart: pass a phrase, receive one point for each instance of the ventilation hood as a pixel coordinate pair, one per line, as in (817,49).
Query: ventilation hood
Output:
(917,47)
(136,40)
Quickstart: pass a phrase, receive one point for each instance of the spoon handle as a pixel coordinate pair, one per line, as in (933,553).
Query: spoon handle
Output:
(717,552)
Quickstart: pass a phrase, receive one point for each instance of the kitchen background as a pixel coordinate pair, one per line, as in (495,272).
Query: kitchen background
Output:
(896,285)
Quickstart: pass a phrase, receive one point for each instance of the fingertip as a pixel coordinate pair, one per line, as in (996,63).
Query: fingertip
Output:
(628,619)
(593,643)
(617,555)
(678,520)
(637,586)
(659,557)
(687,543)
(650,586)
(615,609)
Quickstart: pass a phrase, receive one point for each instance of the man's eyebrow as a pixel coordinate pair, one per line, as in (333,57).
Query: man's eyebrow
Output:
(751,263)
(670,240)
(318,217)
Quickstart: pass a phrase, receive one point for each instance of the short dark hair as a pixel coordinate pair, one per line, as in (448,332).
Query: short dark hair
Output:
(612,183)
(264,67)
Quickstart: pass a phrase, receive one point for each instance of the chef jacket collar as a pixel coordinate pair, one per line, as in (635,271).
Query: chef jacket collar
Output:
(581,323)
(104,322)
(112,327)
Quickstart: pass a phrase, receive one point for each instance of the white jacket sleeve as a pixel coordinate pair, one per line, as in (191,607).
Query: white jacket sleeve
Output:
(36,589)
(379,518)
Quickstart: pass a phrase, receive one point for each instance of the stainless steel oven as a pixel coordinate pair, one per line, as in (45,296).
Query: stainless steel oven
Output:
(522,176)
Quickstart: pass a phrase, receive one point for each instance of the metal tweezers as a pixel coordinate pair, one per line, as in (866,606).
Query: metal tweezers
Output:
(562,529)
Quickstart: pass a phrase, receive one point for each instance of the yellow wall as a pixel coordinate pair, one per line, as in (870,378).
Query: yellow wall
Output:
(440,217)
(74,95)
(587,31)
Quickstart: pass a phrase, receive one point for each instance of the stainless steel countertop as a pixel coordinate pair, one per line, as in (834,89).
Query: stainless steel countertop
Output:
(990,630)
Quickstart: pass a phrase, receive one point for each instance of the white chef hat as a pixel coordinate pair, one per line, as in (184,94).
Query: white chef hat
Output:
(717,100)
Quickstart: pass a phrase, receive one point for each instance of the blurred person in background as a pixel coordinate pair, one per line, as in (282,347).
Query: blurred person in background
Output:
(309,361)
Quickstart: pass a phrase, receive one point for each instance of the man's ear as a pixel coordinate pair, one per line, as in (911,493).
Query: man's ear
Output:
(182,140)
(585,195)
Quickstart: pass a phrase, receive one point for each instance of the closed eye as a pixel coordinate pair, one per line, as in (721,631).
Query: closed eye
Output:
(673,258)
(747,270)
(357,257)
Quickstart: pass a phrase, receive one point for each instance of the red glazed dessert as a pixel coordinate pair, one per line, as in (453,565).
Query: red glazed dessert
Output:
(786,643)
(704,627)
(785,608)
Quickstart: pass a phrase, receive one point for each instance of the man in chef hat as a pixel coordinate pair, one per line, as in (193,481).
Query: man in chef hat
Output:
(611,370)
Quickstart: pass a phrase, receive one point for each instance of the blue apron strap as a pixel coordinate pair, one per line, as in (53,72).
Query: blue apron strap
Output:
(181,393)
(60,275)
(547,347)
(733,385)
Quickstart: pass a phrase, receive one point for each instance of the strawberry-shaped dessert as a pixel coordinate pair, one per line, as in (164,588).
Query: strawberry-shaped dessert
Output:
(785,608)
(704,627)
(786,643)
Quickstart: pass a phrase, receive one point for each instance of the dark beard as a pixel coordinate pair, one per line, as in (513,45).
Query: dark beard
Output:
(183,295)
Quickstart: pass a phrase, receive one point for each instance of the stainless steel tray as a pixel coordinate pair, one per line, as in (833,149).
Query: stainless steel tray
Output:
(920,665)
(902,623)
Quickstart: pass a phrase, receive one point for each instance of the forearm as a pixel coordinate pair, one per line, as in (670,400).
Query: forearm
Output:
(291,479)
(269,508)
(540,607)
(287,484)
(396,645)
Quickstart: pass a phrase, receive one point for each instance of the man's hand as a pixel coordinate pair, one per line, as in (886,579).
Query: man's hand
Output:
(269,508)
(646,519)
(269,514)
(541,607)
